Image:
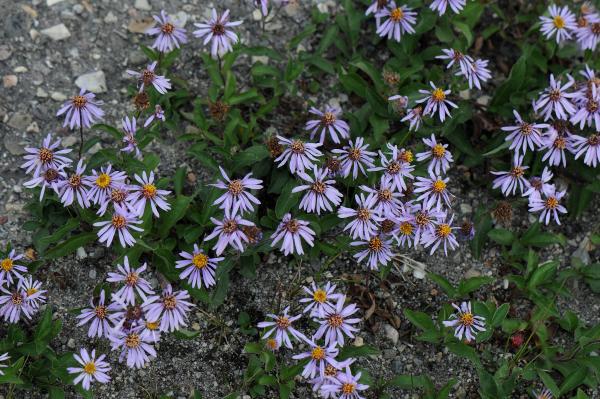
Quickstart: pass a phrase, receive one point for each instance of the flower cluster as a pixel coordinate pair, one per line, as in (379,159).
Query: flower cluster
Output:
(562,24)
(466,324)
(330,377)
(474,70)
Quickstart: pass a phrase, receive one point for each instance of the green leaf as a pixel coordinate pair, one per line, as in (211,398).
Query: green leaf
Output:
(407,381)
(548,382)
(501,236)
(465,351)
(573,380)
(420,319)
(118,135)
(473,284)
(542,274)
(357,351)
(287,199)
(69,226)
(70,245)
(444,284)
(178,209)
(245,97)
(500,314)
(186,334)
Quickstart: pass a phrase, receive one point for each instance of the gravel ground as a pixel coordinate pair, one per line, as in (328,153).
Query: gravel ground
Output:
(39,72)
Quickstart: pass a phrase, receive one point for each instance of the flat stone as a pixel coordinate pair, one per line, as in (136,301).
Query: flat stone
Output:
(57,32)
(466,208)
(472,273)
(391,333)
(10,81)
(110,18)
(69,141)
(20,69)
(5,52)
(33,128)
(140,25)
(142,5)
(12,145)
(93,81)
(71,343)
(41,93)
(180,19)
(58,96)
(20,121)
(92,274)
(53,2)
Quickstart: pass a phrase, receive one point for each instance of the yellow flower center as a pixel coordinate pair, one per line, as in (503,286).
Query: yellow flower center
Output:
(375,244)
(236,187)
(149,190)
(283,322)
(271,344)
(466,319)
(335,320)
(46,155)
(396,14)
(131,279)
(7,264)
(348,388)
(318,353)
(438,95)
(320,296)
(551,203)
(200,261)
(363,214)
(31,291)
(90,368)
(443,230)
(439,186)
(406,228)
(438,150)
(406,156)
(118,221)
(559,22)
(103,180)
(79,101)
(152,325)
(133,340)
(328,119)
(297,147)
(169,302)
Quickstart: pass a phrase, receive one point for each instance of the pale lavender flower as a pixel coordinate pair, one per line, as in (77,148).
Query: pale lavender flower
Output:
(441,158)
(414,118)
(388,199)
(513,179)
(440,6)
(441,235)
(264,5)
(229,232)
(199,267)
(134,346)
(355,157)
(14,304)
(148,77)
(555,99)
(169,35)
(10,267)
(46,157)
(319,299)
(540,185)
(130,128)
(405,233)
(74,187)
(543,394)
(101,184)
(400,20)
(549,205)
(218,30)
(35,295)
(3,358)
(132,282)
(421,218)
(158,114)
(291,232)
(151,329)
(378,251)
(237,195)
(328,122)
(120,195)
(320,358)
(81,110)
(100,315)
(433,191)
(465,322)
(436,102)
(365,219)
(337,323)
(560,23)
(376,6)
(396,168)
(282,328)
(589,109)
(524,134)
(49,177)
(121,222)
(556,143)
(300,155)
(477,73)
(399,102)
(453,57)
(321,193)
(91,369)
(588,35)
(171,308)
(590,146)
(146,192)
(345,385)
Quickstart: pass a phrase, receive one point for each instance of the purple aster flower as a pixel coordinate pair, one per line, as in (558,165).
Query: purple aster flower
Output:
(355,157)
(47,178)
(91,369)
(134,346)
(148,77)
(543,394)
(388,201)
(151,330)
(436,102)
(434,191)
(237,197)
(120,195)
(198,268)
(172,308)
(264,5)
(456,57)
(3,358)
(130,128)
(588,33)
(328,122)
(466,323)
(440,6)
(282,327)
(230,232)
(399,102)
(555,99)
(35,295)
(321,193)
(378,250)
(169,36)
(121,222)
(365,219)
(443,233)
(299,154)
(561,22)
(132,282)
(10,267)
(337,323)
(218,30)
(46,157)
(100,315)
(319,299)
(477,73)
(556,143)
(540,185)
(466,232)
(405,233)
(320,358)
(396,168)
(81,110)
(74,187)
(400,20)
(147,192)
(101,184)
(414,118)
(376,7)
(345,385)
(524,134)
(14,304)
(441,158)
(509,181)
(589,109)
(291,232)
(422,218)
(158,114)
(590,146)
(549,206)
